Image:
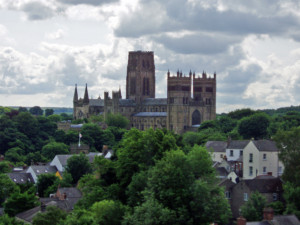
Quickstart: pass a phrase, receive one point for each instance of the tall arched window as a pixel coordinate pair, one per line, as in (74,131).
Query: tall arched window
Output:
(196,117)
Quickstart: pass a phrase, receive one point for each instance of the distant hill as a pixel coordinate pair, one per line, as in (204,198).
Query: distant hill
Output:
(57,110)
(281,111)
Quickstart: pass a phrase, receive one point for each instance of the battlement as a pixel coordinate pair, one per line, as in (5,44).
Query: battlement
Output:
(204,76)
(179,76)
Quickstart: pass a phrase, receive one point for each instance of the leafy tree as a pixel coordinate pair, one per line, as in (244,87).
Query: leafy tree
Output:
(278,207)
(36,110)
(34,157)
(54,148)
(253,209)
(108,212)
(77,166)
(292,197)
(227,124)
(27,124)
(46,127)
(22,109)
(95,119)
(7,187)
(49,112)
(117,120)
(209,124)
(52,216)
(79,217)
(151,212)
(136,187)
(19,202)
(288,143)
(54,118)
(255,126)
(241,113)
(6,220)
(45,183)
(4,167)
(14,155)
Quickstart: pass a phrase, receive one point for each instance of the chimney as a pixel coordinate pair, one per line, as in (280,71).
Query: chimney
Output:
(241,221)
(268,213)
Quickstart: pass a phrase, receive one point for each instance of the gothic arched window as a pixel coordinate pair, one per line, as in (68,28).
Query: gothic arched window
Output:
(196,117)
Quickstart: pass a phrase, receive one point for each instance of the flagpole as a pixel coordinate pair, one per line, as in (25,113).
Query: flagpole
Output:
(79,140)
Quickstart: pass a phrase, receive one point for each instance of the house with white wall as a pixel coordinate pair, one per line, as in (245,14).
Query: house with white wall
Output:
(218,150)
(260,157)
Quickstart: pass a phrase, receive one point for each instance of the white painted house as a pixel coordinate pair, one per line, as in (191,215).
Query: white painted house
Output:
(260,157)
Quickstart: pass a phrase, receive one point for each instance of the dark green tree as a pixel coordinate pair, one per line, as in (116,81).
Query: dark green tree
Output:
(77,166)
(46,184)
(6,220)
(241,113)
(36,110)
(52,149)
(255,126)
(117,120)
(52,216)
(4,167)
(253,209)
(20,202)
(22,109)
(54,118)
(7,187)
(49,112)
(227,124)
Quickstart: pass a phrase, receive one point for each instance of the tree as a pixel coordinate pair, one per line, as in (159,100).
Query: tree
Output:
(4,167)
(52,149)
(14,155)
(49,112)
(52,216)
(77,166)
(22,109)
(27,124)
(151,212)
(108,212)
(292,197)
(7,187)
(255,126)
(36,110)
(288,143)
(227,124)
(253,209)
(46,184)
(117,120)
(79,217)
(54,118)
(241,113)
(6,220)
(19,202)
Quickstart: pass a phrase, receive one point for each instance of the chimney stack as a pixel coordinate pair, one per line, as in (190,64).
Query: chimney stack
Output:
(268,213)
(241,221)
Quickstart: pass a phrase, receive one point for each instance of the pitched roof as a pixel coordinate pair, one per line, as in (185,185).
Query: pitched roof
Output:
(155,101)
(267,185)
(127,102)
(278,220)
(265,145)
(63,159)
(227,184)
(71,192)
(237,144)
(44,169)
(96,102)
(217,146)
(21,178)
(221,171)
(151,114)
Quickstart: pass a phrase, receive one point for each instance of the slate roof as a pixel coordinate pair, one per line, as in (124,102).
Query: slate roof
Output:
(96,102)
(278,220)
(76,125)
(44,169)
(155,101)
(265,145)
(228,184)
(221,171)
(151,114)
(63,159)
(127,102)
(217,146)
(265,185)
(236,144)
(21,178)
(71,192)
(91,156)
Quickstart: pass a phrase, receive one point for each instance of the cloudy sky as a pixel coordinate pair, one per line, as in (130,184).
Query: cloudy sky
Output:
(46,46)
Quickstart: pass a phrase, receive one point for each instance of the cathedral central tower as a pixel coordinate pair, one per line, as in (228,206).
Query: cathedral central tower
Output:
(140,80)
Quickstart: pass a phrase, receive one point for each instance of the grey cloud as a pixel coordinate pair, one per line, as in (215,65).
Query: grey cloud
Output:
(87,2)
(37,11)
(198,43)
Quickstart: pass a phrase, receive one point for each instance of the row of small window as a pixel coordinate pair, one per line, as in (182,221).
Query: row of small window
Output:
(246,197)
(251,157)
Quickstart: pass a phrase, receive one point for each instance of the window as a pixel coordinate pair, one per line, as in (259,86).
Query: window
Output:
(251,157)
(275,197)
(241,152)
(264,156)
(264,170)
(279,170)
(171,100)
(231,153)
(221,156)
(245,197)
(228,194)
(250,171)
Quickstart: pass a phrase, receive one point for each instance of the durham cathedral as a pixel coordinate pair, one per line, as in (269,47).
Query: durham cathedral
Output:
(191,99)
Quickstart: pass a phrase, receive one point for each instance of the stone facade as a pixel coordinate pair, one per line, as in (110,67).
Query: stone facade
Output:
(190,99)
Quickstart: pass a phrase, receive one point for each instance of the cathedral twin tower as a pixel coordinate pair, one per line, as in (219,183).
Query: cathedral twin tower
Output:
(179,111)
